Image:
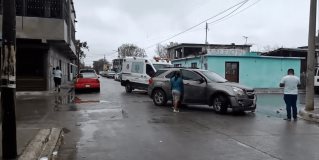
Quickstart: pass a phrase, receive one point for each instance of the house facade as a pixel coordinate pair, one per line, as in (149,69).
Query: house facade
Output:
(294,52)
(184,50)
(45,39)
(250,69)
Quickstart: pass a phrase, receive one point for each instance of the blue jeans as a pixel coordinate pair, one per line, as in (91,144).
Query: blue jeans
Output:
(291,102)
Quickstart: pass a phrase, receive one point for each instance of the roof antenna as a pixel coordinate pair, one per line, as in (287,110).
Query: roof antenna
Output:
(246,38)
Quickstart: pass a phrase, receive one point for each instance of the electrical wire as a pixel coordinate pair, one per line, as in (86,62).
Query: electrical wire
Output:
(229,13)
(236,13)
(222,12)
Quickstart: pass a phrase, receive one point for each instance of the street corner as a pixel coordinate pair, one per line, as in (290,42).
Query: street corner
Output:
(44,145)
(309,115)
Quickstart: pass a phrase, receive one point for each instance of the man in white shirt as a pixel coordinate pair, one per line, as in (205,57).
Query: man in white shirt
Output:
(57,78)
(290,83)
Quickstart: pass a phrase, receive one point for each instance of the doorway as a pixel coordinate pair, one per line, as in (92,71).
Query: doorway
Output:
(232,71)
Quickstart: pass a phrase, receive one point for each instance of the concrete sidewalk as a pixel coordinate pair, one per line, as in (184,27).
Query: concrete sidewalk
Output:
(34,140)
(309,115)
(64,89)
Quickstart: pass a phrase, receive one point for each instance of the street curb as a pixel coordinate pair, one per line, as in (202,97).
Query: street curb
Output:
(45,144)
(274,91)
(308,115)
(52,147)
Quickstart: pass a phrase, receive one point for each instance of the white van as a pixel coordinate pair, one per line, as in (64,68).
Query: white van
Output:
(137,71)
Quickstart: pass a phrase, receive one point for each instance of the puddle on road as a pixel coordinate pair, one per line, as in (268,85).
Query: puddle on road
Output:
(68,102)
(64,99)
(88,131)
(163,120)
(78,100)
(106,114)
(71,98)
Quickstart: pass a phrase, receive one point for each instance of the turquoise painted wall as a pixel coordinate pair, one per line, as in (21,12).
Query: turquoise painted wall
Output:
(254,71)
(188,62)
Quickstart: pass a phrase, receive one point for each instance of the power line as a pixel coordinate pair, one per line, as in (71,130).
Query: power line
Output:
(230,12)
(240,3)
(215,22)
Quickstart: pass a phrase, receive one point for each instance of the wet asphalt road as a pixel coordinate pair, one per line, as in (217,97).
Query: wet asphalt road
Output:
(113,125)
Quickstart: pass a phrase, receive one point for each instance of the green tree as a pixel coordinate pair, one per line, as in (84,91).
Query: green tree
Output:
(131,50)
(161,50)
(79,47)
(99,64)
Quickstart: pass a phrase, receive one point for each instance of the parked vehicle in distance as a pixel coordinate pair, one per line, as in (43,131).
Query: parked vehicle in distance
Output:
(87,71)
(204,88)
(110,74)
(103,73)
(137,71)
(87,81)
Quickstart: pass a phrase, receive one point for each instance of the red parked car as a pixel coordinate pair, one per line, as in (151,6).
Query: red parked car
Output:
(86,81)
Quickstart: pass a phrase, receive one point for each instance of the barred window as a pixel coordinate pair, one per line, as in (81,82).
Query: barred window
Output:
(0,6)
(35,8)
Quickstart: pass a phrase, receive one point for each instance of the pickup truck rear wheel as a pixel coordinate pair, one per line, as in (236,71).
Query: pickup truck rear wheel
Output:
(220,104)
(159,97)
(128,87)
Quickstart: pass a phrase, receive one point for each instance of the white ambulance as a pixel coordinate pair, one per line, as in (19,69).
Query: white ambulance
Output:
(137,71)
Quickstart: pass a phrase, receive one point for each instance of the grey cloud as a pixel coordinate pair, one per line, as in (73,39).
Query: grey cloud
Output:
(106,24)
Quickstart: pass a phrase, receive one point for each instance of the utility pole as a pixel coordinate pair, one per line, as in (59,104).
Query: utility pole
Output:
(78,60)
(311,56)
(104,62)
(77,51)
(8,80)
(206,28)
(206,46)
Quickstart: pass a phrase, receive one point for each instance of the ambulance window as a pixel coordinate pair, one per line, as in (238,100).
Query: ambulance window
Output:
(149,70)
(137,67)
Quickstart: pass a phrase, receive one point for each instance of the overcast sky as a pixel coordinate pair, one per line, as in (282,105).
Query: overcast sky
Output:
(106,24)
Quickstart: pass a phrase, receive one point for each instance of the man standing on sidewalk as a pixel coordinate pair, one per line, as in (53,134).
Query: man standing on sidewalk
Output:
(57,78)
(290,83)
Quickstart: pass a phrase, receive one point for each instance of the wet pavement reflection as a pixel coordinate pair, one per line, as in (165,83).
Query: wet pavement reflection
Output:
(65,100)
(104,125)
